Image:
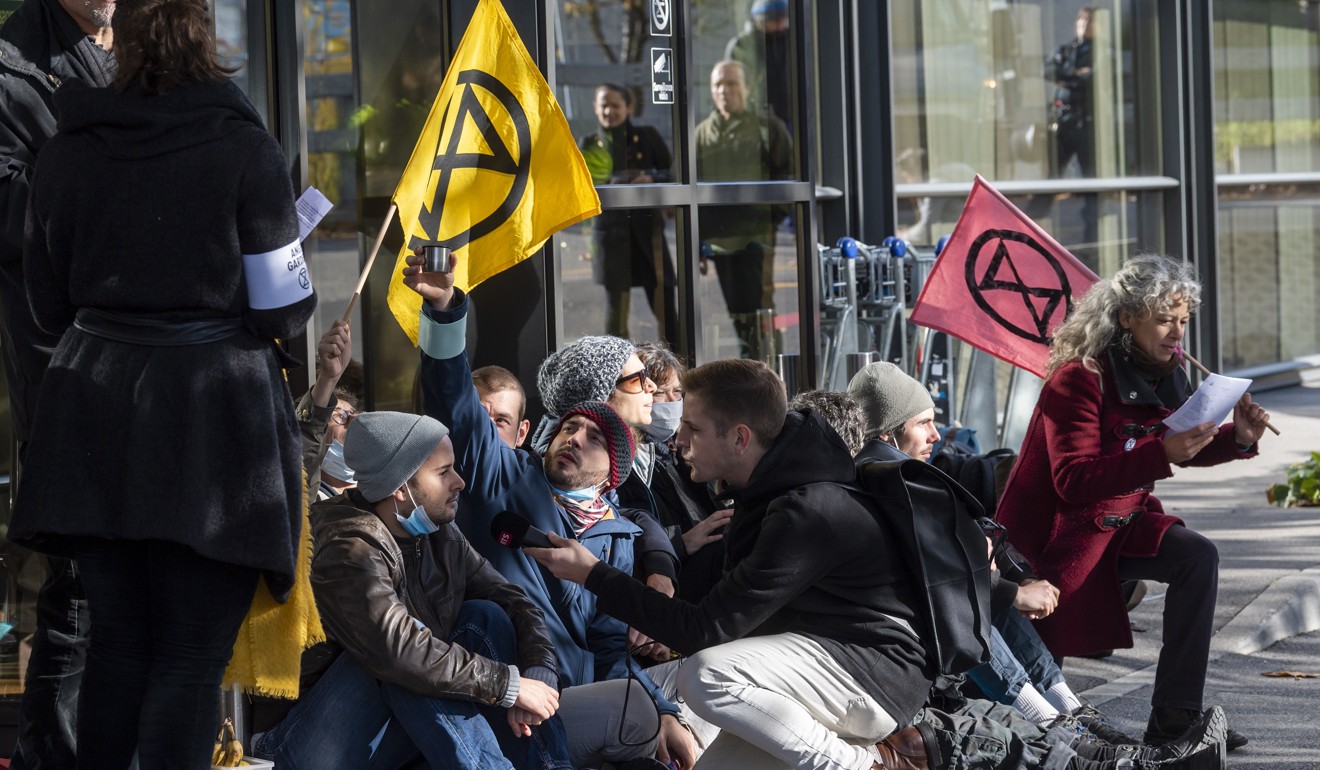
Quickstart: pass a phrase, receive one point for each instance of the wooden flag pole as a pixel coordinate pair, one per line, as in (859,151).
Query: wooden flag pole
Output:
(1206,372)
(371,260)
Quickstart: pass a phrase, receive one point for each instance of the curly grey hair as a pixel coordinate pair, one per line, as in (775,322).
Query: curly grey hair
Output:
(1144,285)
(839,411)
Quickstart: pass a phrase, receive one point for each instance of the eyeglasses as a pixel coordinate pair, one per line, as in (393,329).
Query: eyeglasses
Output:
(343,416)
(633,383)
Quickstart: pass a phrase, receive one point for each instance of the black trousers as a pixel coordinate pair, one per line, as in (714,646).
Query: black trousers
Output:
(164,620)
(1189,563)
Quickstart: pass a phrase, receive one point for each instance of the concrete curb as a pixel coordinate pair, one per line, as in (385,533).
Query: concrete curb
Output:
(1290,606)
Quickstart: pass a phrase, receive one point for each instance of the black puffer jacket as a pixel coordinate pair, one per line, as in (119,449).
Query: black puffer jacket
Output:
(372,588)
(803,555)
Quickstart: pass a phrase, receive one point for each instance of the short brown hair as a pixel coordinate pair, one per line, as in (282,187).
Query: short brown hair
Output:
(162,43)
(741,391)
(497,379)
(660,361)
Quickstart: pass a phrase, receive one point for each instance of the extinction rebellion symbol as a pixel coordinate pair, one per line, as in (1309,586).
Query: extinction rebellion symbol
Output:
(513,162)
(996,283)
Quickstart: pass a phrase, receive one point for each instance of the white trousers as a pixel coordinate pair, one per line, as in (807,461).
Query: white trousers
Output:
(781,702)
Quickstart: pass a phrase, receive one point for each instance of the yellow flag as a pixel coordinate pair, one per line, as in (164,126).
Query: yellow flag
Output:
(496,171)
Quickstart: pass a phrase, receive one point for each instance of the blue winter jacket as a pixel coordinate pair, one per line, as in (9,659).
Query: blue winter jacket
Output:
(591,645)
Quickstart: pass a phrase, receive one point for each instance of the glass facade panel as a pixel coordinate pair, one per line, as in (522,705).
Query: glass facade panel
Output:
(1267,155)
(1026,92)
(618,277)
(1021,91)
(747,282)
(744,90)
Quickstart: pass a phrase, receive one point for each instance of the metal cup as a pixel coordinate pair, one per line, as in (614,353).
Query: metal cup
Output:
(435,258)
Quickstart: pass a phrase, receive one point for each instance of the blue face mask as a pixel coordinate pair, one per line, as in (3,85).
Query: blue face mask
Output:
(583,495)
(334,466)
(418,523)
(666,416)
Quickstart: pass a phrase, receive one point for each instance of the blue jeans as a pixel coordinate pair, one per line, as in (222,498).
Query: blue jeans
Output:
(1017,656)
(350,719)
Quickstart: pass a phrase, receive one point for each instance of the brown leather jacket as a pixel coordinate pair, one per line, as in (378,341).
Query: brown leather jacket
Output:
(391,603)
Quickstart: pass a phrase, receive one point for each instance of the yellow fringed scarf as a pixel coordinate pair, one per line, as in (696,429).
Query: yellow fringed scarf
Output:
(269,647)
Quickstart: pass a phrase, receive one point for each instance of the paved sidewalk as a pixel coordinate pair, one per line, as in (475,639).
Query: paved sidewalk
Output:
(1269,601)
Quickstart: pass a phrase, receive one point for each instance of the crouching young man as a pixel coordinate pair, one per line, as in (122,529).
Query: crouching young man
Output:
(429,630)
(804,653)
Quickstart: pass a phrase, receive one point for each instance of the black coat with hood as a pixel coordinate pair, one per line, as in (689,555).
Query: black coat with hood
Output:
(803,555)
(144,206)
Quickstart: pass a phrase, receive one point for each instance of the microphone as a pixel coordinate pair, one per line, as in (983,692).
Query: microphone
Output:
(511,530)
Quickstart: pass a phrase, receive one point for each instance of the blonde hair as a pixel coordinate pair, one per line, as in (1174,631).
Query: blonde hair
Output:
(1144,285)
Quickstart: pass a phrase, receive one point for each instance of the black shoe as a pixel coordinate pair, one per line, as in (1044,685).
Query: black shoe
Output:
(1208,729)
(1200,746)
(1167,725)
(1090,718)
(1133,592)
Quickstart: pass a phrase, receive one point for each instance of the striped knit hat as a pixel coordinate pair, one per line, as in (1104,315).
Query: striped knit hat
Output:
(618,437)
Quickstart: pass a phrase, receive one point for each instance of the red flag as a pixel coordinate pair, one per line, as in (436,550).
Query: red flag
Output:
(1001,283)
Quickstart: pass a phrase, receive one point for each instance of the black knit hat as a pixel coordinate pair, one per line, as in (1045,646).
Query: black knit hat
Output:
(618,437)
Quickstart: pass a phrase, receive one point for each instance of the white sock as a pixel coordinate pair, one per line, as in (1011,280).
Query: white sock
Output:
(1034,706)
(1063,698)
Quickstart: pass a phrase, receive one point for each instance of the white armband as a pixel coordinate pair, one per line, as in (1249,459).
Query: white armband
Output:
(277,278)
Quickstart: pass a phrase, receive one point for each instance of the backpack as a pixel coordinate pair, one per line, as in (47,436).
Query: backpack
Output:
(983,475)
(937,524)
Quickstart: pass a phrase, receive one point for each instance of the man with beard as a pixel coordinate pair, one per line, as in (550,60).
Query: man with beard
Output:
(43,43)
(429,631)
(590,452)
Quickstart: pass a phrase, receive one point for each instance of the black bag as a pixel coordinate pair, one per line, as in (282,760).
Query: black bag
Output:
(983,475)
(938,527)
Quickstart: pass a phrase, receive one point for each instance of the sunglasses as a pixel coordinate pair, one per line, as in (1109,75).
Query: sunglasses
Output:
(632,383)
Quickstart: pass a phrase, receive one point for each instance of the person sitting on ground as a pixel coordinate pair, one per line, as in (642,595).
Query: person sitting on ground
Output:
(430,639)
(900,415)
(590,453)
(967,733)
(660,482)
(324,412)
(804,654)
(503,398)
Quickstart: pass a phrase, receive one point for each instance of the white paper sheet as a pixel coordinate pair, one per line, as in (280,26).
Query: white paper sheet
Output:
(1211,402)
(312,207)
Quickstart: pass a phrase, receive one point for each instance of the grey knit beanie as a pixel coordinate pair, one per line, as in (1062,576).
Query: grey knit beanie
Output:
(888,397)
(584,370)
(385,449)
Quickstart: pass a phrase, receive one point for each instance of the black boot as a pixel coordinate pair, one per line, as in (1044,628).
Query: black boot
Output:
(1209,759)
(1095,722)
(1167,724)
(1204,736)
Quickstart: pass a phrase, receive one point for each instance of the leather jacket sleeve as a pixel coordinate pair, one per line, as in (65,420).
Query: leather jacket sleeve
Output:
(354,582)
(534,645)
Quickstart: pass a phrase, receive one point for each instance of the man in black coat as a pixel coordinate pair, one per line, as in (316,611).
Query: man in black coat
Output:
(804,654)
(44,43)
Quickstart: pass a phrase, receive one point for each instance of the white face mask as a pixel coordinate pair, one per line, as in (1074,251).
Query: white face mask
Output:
(334,466)
(666,416)
(418,523)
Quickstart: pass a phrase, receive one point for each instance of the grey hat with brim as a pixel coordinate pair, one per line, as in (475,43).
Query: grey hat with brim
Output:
(385,449)
(888,397)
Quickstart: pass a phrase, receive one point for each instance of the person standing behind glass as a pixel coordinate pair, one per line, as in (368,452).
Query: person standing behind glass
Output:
(1072,120)
(765,49)
(630,248)
(162,244)
(736,144)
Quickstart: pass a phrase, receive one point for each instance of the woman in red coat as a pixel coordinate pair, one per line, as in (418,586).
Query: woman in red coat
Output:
(1079,502)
